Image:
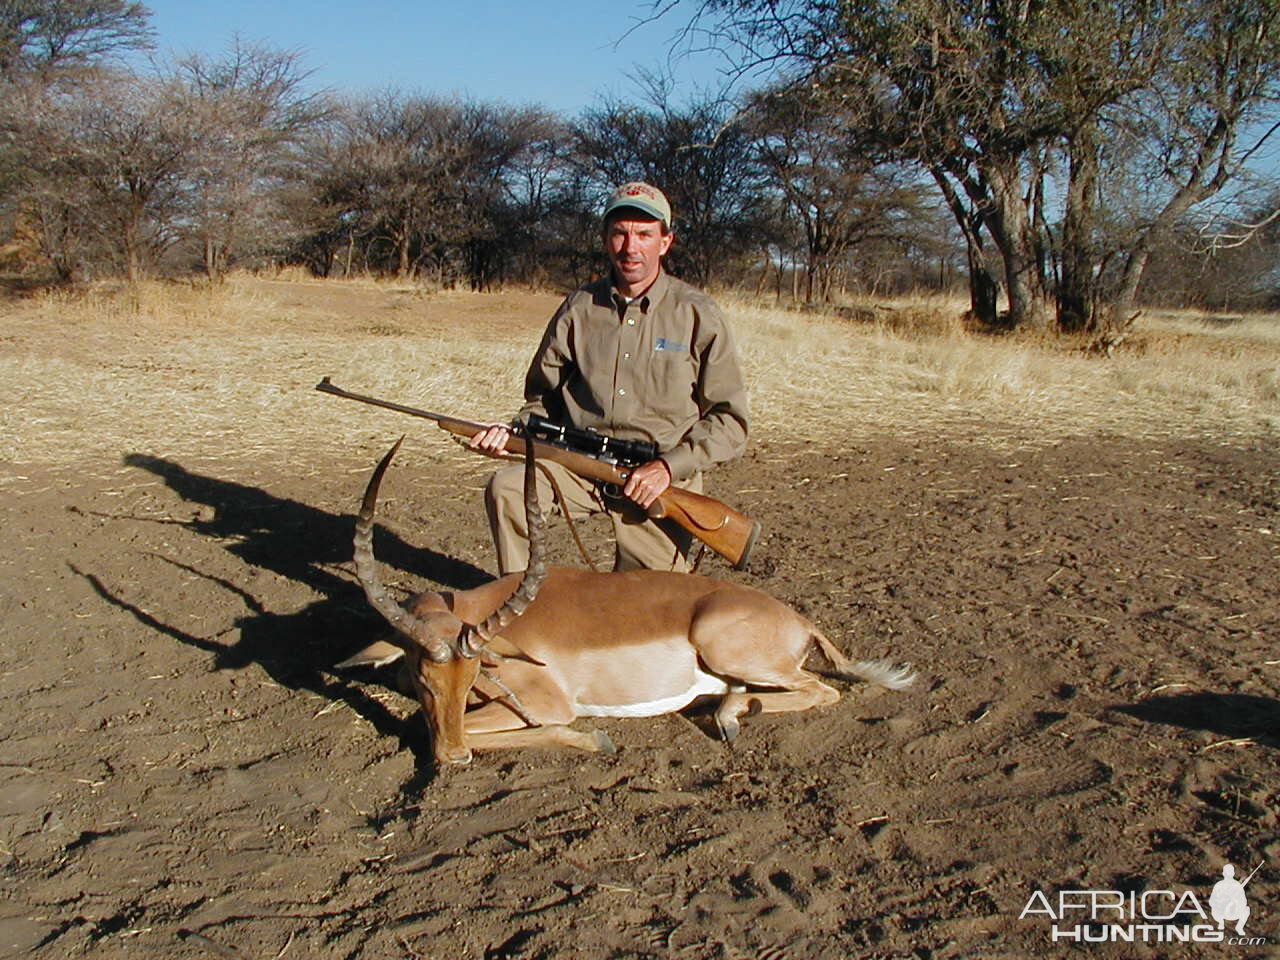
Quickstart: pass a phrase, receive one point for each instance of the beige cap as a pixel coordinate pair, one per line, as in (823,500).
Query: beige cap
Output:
(643,197)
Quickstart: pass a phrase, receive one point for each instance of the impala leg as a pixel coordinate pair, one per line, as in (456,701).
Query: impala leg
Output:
(806,693)
(592,741)
(495,727)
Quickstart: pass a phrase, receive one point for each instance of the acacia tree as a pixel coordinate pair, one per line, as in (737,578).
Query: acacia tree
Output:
(44,37)
(46,47)
(990,95)
(974,91)
(503,170)
(398,175)
(1200,124)
(705,164)
(249,109)
(833,191)
(539,216)
(111,158)
(422,181)
(398,170)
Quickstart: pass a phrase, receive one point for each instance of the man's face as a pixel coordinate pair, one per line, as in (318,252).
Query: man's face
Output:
(636,246)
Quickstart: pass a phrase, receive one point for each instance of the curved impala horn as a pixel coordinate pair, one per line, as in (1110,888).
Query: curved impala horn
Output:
(533,575)
(404,622)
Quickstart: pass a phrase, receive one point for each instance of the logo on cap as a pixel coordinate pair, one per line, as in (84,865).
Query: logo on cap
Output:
(643,197)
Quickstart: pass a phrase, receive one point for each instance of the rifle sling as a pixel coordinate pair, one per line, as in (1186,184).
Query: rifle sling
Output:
(703,510)
(568,517)
(560,502)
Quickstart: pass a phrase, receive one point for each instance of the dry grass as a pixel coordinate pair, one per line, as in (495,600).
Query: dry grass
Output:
(912,378)
(186,371)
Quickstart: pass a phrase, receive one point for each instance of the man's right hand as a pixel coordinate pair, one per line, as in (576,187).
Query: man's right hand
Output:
(492,440)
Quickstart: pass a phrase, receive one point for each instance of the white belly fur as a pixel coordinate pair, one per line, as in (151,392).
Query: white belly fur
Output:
(703,683)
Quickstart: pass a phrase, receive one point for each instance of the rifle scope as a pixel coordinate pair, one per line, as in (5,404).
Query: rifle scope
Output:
(591,442)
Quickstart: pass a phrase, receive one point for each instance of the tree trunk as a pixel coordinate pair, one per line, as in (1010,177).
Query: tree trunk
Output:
(1077,289)
(1131,276)
(405,228)
(983,289)
(214,260)
(135,216)
(1205,178)
(132,254)
(764,274)
(1010,225)
(402,256)
(56,239)
(1136,261)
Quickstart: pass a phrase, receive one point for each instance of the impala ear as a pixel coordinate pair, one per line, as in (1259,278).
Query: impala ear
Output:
(377,654)
(500,648)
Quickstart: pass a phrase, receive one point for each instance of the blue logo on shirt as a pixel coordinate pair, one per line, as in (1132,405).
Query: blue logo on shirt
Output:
(663,343)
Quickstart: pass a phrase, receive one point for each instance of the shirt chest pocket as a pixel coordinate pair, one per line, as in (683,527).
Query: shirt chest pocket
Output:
(670,380)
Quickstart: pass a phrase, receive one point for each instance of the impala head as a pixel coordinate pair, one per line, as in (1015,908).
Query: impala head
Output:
(442,652)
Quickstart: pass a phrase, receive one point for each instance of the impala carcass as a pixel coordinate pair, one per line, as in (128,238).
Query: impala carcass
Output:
(513,662)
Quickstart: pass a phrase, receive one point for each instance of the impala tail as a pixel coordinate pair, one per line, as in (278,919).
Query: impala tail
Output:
(883,673)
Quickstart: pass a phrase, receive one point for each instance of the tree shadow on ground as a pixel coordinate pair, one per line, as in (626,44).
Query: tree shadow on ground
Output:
(299,542)
(1234,715)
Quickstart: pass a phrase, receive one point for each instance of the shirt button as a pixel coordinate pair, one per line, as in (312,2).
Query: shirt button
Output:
(626,356)
(622,393)
(631,322)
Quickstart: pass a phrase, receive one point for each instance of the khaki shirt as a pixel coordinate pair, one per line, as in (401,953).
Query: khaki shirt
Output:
(661,368)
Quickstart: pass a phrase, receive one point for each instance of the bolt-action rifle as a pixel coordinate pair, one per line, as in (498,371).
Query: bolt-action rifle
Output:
(607,461)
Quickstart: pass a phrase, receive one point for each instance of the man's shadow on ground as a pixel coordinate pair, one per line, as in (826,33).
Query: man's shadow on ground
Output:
(299,542)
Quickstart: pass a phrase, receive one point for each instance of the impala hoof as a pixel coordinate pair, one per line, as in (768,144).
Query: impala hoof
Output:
(729,728)
(728,721)
(603,743)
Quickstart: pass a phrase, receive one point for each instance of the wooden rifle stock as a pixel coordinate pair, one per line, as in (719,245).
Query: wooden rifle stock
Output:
(723,529)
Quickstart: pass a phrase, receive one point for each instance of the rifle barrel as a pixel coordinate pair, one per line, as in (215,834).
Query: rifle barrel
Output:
(580,463)
(325,386)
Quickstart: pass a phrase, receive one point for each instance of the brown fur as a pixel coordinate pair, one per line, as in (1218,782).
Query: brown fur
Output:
(638,643)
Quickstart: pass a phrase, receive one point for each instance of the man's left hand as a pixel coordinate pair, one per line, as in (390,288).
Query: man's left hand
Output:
(648,482)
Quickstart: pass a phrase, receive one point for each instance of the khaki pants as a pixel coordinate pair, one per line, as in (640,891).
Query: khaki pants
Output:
(652,544)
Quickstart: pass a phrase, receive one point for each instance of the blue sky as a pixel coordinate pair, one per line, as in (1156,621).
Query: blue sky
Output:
(562,54)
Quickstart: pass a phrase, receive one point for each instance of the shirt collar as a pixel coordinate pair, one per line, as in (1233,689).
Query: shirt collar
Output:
(650,298)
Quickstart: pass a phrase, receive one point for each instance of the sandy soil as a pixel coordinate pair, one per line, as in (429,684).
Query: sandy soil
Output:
(1094,622)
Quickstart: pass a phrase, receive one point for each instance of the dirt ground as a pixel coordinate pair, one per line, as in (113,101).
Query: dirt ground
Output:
(1094,623)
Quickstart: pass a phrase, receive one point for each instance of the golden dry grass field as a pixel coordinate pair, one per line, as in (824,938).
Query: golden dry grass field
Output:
(1077,554)
(187,368)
